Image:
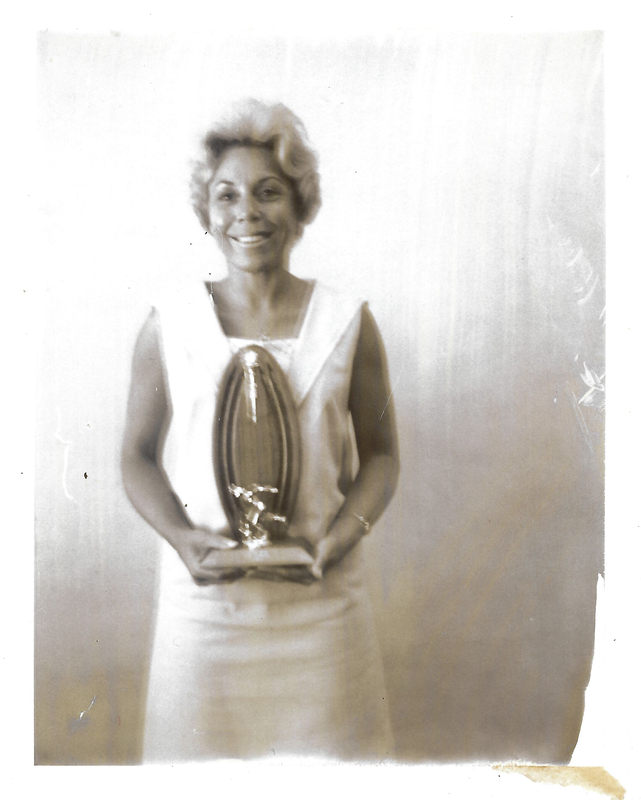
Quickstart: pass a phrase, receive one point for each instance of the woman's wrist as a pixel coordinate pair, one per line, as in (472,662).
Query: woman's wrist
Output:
(348,529)
(344,534)
(367,525)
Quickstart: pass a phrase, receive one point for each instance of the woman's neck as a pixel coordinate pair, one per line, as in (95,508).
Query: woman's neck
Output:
(251,305)
(257,291)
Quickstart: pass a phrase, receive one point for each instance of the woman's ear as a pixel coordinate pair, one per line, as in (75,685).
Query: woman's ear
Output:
(298,232)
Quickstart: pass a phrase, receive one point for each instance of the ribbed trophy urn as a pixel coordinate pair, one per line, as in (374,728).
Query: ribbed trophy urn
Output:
(257,455)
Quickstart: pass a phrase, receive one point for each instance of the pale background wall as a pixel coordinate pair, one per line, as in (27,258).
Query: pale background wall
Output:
(462,175)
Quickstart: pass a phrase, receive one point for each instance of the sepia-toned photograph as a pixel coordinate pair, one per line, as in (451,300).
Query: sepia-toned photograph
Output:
(320,396)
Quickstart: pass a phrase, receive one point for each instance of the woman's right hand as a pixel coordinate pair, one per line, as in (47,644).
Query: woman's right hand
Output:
(193,548)
(145,483)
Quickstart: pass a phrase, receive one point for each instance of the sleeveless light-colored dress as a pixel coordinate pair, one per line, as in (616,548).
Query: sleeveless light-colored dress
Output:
(258,668)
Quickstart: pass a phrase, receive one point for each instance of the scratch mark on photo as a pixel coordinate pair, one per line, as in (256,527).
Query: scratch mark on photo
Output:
(65,456)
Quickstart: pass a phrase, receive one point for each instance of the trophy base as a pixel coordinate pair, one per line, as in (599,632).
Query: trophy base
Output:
(272,555)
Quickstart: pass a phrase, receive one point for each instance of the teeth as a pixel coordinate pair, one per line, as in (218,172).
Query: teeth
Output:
(251,239)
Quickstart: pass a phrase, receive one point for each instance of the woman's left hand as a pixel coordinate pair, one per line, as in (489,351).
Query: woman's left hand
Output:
(372,409)
(338,541)
(327,554)
(344,533)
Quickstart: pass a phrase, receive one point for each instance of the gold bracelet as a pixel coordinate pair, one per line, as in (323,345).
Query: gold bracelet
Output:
(367,525)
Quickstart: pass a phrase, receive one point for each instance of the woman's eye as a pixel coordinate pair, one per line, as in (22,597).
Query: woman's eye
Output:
(225,196)
(269,192)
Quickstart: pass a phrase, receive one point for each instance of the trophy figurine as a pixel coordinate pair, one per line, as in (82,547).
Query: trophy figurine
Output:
(257,462)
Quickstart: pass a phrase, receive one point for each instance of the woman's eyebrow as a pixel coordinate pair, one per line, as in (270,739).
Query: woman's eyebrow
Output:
(260,180)
(270,178)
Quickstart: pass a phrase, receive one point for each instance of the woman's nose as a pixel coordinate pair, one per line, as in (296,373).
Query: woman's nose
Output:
(247,209)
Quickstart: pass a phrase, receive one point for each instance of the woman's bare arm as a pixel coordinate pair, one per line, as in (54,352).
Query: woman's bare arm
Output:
(372,408)
(145,483)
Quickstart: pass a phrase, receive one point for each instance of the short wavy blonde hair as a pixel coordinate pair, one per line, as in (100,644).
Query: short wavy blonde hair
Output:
(275,127)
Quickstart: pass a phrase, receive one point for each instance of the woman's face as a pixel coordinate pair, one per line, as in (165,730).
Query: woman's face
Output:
(252,210)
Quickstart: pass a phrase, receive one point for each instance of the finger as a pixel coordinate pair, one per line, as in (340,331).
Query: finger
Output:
(229,575)
(299,574)
(318,567)
(324,553)
(208,559)
(218,576)
(219,542)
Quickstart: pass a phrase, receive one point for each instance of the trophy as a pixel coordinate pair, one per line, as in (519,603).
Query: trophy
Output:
(257,454)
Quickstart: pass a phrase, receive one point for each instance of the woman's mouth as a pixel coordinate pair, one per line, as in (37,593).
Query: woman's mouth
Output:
(251,241)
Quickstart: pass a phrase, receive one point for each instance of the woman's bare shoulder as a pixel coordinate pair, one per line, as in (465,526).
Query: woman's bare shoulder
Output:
(147,359)
(147,405)
(149,333)
(371,350)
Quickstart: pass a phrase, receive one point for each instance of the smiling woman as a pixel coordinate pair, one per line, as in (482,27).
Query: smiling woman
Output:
(284,659)
(280,131)
(252,210)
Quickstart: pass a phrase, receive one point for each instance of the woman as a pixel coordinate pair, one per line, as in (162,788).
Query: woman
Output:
(284,661)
